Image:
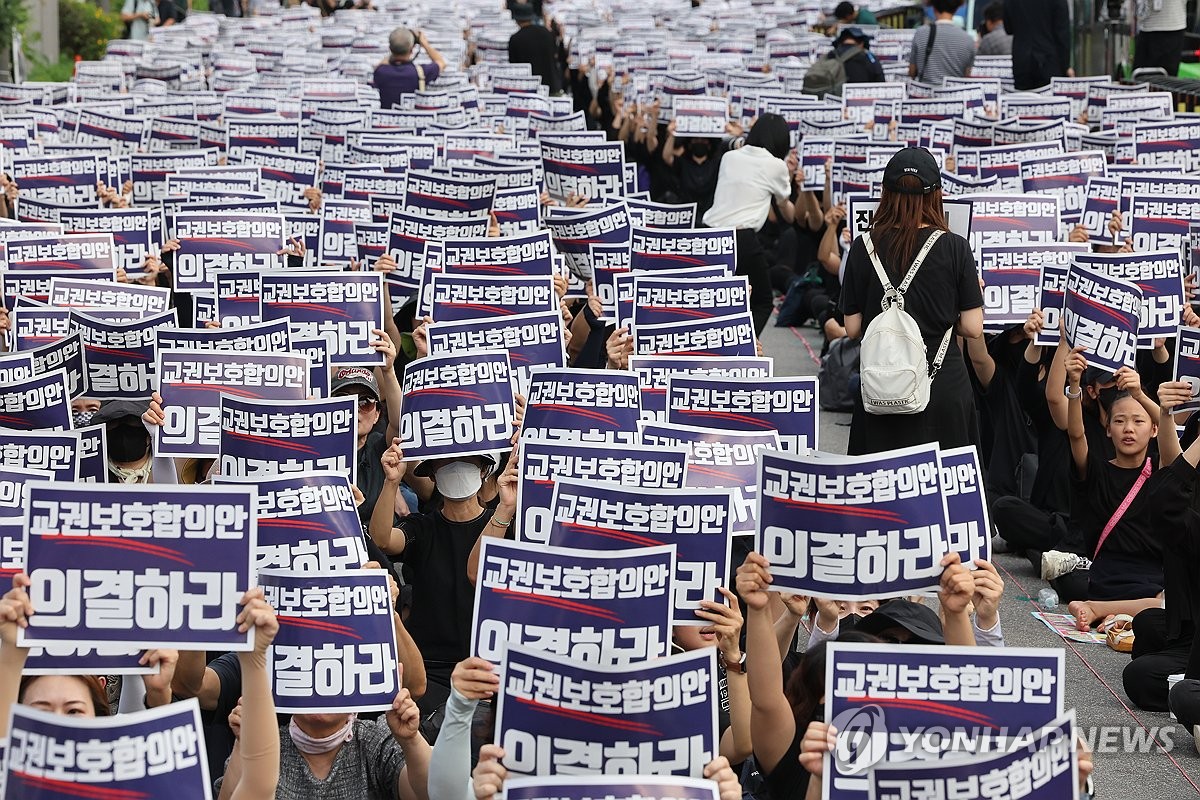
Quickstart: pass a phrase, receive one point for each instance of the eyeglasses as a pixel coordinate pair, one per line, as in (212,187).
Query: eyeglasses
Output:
(367,403)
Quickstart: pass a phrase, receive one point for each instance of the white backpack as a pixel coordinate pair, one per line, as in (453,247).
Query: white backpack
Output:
(894,368)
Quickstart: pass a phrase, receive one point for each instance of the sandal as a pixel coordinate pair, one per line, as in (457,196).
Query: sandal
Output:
(1120,634)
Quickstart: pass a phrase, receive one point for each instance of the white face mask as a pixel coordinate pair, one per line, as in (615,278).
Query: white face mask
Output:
(458,480)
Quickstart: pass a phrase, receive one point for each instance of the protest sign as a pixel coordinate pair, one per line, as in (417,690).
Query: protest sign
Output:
(700,116)
(654,718)
(217,240)
(529,254)
(871,526)
(978,698)
(582,405)
(238,297)
(1039,765)
(1159,276)
(1102,198)
(1013,219)
(87,295)
(967,526)
(655,371)
(729,336)
(1160,222)
(602,787)
(260,439)
(306,522)
(1187,364)
(407,236)
(336,647)
(120,355)
(456,405)
(132,231)
(36,402)
(659,300)
(1053,260)
(588,169)
(338,243)
(56,452)
(575,235)
(65,658)
(33,260)
(602,609)
(263,337)
(260,131)
(344,309)
(647,214)
(451,198)
(164,567)
(14,497)
(1101,314)
(531,340)
(785,405)
(624,286)
(285,175)
(1015,275)
(455,298)
(191,384)
(542,463)
(658,249)
(1173,143)
(860,212)
(719,459)
(1063,176)
(66,180)
(591,515)
(58,755)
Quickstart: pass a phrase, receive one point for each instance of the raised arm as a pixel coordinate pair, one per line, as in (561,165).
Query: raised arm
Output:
(503,516)
(772,725)
(15,610)
(1056,380)
(391,540)
(1170,395)
(258,745)
(1074,367)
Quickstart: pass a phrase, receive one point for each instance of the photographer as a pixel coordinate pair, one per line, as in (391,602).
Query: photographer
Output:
(401,74)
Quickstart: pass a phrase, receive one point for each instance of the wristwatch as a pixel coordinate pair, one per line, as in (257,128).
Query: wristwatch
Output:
(738,667)
(1076,395)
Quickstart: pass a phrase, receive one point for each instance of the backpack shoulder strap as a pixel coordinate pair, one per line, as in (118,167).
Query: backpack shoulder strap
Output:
(420,77)
(890,295)
(919,260)
(850,53)
(928,49)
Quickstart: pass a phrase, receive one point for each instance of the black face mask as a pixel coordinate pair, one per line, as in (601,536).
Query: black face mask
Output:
(699,149)
(127,443)
(849,623)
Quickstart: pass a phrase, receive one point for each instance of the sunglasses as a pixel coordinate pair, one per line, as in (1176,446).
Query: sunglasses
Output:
(367,403)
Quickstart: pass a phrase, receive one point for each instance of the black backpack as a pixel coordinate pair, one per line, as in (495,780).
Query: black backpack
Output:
(838,366)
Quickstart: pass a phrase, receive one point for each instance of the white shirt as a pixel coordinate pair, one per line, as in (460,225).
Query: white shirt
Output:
(749,178)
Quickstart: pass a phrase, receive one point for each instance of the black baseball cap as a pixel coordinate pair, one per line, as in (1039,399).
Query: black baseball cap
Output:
(917,619)
(916,161)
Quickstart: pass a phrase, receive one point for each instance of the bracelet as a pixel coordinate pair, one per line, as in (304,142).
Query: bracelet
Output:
(500,524)
(1077,395)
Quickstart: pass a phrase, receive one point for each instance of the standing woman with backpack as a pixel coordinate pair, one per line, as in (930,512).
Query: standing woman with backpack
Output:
(915,387)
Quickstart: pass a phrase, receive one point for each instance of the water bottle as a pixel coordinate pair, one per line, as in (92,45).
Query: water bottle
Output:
(1048,599)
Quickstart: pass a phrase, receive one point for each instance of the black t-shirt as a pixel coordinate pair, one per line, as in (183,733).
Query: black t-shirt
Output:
(536,46)
(946,285)
(789,780)
(443,598)
(370,473)
(218,737)
(696,182)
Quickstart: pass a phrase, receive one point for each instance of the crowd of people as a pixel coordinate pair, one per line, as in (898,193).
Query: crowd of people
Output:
(1090,473)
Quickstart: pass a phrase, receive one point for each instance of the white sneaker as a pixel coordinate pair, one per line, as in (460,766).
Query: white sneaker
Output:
(1056,563)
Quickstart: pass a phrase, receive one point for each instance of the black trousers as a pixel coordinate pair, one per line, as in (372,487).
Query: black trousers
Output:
(1158,49)
(752,262)
(1026,527)
(1155,657)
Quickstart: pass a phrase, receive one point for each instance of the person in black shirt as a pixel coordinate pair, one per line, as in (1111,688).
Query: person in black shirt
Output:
(442,551)
(1111,502)
(536,46)
(863,67)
